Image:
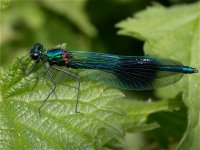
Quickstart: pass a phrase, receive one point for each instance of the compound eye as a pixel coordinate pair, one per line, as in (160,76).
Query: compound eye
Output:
(34,56)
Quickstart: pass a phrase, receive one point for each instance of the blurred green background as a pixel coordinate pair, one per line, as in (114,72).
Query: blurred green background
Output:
(83,25)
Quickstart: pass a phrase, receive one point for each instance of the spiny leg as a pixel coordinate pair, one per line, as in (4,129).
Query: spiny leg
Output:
(78,87)
(32,67)
(52,90)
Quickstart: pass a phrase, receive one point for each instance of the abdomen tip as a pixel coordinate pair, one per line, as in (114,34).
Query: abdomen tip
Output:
(194,70)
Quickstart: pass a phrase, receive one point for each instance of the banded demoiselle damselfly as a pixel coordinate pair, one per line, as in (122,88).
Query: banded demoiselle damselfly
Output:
(126,72)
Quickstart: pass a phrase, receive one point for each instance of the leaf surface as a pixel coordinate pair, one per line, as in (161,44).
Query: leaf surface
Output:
(59,127)
(174,33)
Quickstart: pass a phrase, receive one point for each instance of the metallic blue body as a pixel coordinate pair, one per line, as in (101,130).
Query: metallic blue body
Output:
(127,72)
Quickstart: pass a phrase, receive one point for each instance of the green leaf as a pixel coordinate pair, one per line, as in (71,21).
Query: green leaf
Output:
(173,32)
(59,127)
(190,139)
(158,21)
(104,119)
(139,111)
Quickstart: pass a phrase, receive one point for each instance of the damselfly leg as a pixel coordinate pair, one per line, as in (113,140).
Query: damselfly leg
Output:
(78,87)
(32,67)
(52,90)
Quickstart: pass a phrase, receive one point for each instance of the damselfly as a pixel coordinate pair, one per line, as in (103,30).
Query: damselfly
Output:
(126,72)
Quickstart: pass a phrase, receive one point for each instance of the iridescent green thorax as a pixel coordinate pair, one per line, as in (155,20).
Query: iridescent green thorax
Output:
(58,56)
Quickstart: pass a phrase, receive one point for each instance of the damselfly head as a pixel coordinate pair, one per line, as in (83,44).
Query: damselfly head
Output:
(35,51)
